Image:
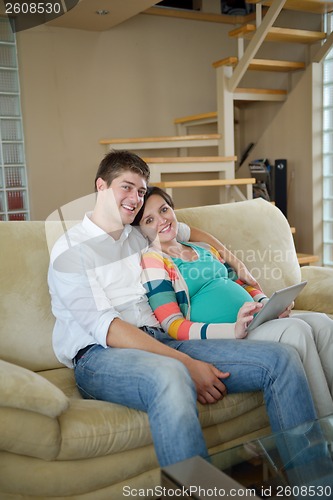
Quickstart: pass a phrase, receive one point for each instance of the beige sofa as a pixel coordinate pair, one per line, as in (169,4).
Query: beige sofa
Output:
(55,444)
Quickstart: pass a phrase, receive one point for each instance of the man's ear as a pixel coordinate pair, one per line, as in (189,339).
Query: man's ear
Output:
(101,184)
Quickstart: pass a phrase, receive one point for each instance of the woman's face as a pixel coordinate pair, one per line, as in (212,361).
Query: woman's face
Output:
(158,220)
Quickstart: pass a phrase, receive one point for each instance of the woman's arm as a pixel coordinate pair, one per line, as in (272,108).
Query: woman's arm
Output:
(157,276)
(227,256)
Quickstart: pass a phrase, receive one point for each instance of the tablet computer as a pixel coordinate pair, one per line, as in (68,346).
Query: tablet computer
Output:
(275,306)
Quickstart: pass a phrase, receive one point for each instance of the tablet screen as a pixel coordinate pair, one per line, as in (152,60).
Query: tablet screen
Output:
(278,303)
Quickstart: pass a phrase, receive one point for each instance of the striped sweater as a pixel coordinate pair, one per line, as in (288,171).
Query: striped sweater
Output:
(168,297)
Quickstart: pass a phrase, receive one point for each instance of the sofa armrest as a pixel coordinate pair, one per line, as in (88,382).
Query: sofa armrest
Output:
(26,390)
(318,293)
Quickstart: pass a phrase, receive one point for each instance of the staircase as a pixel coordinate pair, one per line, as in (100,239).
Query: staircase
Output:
(231,70)
(222,166)
(174,154)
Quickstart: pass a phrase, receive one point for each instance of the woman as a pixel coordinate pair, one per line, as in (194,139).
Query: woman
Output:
(194,294)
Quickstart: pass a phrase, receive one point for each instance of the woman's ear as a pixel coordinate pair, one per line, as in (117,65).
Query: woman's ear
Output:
(101,184)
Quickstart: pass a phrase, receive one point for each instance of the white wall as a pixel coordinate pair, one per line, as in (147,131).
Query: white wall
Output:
(79,87)
(133,80)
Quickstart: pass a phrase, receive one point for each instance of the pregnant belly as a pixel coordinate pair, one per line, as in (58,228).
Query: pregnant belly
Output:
(218,302)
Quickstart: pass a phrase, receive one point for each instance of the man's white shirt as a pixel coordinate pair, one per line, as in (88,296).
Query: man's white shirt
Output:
(93,279)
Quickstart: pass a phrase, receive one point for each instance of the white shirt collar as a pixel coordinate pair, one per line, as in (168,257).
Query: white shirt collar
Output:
(95,231)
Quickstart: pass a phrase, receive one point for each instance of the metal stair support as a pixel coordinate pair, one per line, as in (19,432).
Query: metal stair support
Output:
(227,81)
(255,43)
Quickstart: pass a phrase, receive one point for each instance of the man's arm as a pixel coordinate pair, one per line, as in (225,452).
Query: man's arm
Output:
(239,266)
(205,376)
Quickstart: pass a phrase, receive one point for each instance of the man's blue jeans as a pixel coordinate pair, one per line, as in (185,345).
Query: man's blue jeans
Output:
(163,388)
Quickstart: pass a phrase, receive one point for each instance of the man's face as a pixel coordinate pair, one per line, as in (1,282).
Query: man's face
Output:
(128,191)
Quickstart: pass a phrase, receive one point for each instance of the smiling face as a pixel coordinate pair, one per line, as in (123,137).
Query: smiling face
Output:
(128,190)
(159,221)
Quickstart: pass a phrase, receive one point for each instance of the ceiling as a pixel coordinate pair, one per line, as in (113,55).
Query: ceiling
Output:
(83,15)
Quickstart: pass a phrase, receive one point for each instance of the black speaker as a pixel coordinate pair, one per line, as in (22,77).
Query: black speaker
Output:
(279,185)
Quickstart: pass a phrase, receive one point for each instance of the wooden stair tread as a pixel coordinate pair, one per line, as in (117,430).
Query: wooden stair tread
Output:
(314,6)
(304,258)
(250,95)
(200,116)
(190,159)
(205,183)
(263,64)
(247,94)
(176,138)
(261,91)
(276,34)
(275,65)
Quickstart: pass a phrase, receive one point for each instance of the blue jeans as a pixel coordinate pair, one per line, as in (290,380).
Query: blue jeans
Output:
(163,388)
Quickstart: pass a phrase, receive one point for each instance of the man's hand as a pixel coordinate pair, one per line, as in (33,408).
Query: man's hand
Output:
(210,389)
(205,376)
(245,315)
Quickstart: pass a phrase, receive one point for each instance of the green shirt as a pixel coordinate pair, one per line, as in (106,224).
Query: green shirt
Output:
(214,297)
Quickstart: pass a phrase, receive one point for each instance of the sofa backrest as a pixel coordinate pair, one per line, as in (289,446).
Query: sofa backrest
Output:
(257,232)
(26,318)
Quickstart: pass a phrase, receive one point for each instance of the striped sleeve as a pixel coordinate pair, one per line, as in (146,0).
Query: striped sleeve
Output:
(169,301)
(257,295)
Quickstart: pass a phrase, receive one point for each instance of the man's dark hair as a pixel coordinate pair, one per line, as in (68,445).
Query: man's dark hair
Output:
(116,162)
(150,191)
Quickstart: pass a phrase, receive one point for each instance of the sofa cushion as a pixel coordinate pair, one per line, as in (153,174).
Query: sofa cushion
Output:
(317,295)
(93,428)
(26,390)
(29,433)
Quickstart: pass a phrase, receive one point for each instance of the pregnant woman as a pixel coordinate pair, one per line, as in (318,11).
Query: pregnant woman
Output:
(195,295)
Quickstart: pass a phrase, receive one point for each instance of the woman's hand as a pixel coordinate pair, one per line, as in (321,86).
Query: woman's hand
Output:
(244,275)
(244,317)
(287,312)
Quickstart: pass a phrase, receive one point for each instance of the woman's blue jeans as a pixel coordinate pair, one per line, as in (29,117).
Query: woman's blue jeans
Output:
(163,388)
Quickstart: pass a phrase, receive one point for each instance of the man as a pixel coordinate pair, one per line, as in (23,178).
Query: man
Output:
(107,331)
